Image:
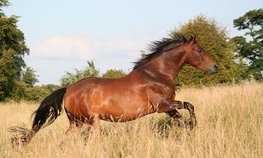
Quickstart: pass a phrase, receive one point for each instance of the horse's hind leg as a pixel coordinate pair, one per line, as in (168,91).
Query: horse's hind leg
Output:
(73,131)
(94,124)
(74,124)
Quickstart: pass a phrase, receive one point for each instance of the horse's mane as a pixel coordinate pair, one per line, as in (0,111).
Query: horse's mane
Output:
(158,47)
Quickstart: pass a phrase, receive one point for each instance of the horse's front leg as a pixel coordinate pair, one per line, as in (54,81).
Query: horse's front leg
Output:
(171,107)
(191,111)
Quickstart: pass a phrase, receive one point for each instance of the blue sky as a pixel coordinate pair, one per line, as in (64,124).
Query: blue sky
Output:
(64,34)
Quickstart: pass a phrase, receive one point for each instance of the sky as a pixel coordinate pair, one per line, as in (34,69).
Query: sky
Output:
(63,34)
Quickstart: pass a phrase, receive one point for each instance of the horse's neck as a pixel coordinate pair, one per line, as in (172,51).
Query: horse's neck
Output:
(169,64)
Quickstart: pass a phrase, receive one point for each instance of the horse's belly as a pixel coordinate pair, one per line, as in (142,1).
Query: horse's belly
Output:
(119,105)
(122,117)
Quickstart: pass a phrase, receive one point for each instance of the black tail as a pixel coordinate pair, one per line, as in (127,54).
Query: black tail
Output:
(49,109)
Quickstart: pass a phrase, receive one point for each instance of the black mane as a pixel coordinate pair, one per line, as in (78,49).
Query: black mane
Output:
(158,47)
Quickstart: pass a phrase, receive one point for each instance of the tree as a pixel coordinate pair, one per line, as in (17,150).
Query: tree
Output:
(19,91)
(250,46)
(114,73)
(88,71)
(24,87)
(12,51)
(214,40)
(36,93)
(29,76)
(23,91)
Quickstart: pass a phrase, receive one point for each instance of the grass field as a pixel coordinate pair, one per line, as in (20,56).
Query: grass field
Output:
(230,124)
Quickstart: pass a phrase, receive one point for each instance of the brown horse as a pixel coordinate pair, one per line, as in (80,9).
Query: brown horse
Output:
(147,89)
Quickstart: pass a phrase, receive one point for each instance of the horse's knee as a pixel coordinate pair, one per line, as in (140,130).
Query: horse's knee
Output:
(72,127)
(174,114)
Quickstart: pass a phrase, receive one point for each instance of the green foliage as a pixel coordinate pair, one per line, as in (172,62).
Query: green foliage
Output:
(70,78)
(29,76)
(215,41)
(113,73)
(23,91)
(250,47)
(12,51)
(36,93)
(19,91)
(51,87)
(3,3)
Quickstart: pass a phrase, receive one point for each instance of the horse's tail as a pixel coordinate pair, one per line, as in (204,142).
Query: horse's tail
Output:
(49,109)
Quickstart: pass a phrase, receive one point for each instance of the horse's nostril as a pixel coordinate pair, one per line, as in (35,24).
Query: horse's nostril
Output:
(216,67)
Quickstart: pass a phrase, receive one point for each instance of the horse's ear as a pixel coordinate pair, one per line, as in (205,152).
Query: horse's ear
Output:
(193,40)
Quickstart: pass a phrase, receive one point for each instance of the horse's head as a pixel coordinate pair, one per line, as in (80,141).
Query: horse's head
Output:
(197,57)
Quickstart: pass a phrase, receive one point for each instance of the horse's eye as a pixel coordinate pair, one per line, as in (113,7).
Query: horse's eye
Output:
(199,50)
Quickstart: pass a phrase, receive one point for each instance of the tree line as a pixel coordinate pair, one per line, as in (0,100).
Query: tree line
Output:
(239,58)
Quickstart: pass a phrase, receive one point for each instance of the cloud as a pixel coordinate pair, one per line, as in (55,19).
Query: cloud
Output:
(83,47)
(59,46)
(120,44)
(118,47)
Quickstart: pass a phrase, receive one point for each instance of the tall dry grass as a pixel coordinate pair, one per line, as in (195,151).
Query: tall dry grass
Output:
(230,124)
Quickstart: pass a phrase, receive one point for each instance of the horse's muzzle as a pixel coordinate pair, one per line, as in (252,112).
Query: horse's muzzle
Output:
(213,69)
